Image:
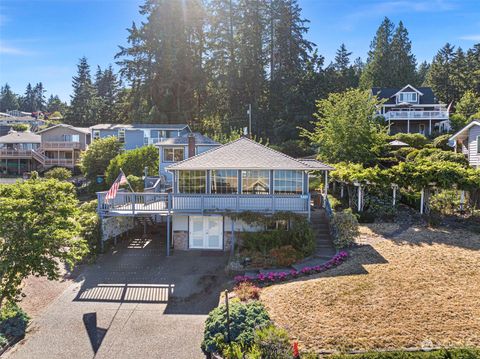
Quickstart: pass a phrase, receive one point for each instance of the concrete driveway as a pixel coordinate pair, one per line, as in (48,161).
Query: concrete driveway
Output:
(133,303)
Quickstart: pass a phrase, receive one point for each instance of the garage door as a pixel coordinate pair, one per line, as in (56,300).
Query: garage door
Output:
(206,232)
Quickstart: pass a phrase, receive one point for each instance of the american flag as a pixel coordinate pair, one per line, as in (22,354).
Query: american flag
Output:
(112,192)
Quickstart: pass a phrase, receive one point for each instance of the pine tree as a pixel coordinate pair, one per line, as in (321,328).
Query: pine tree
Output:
(8,99)
(439,75)
(107,88)
(422,73)
(54,104)
(28,99)
(83,106)
(39,95)
(403,63)
(163,63)
(378,70)
(344,75)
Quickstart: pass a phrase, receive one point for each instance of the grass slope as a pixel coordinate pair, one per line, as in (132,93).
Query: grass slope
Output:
(404,287)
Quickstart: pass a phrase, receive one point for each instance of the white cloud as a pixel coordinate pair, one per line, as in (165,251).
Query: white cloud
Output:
(11,50)
(471,37)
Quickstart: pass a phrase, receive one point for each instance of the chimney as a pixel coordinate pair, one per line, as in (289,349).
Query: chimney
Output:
(191,145)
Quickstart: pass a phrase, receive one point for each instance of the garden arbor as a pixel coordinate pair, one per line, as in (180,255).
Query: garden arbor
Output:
(420,176)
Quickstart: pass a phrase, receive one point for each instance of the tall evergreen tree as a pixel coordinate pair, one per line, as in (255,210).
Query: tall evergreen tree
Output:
(28,99)
(8,99)
(403,63)
(163,61)
(439,76)
(378,70)
(54,104)
(83,106)
(422,73)
(39,95)
(107,88)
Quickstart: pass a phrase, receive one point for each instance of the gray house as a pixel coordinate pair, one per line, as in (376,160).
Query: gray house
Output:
(467,140)
(16,152)
(176,149)
(242,175)
(139,135)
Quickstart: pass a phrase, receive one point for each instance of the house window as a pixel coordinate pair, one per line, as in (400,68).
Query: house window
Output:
(478,144)
(407,97)
(96,134)
(224,181)
(121,135)
(71,138)
(288,182)
(173,154)
(256,182)
(191,181)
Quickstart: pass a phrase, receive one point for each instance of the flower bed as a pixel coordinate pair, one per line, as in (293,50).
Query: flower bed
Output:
(274,277)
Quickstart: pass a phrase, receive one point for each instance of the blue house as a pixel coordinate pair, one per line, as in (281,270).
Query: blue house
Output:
(139,135)
(242,175)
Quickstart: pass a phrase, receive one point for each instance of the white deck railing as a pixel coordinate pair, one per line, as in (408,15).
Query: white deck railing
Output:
(416,115)
(128,203)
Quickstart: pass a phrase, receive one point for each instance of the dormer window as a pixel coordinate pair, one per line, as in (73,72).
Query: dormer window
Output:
(410,97)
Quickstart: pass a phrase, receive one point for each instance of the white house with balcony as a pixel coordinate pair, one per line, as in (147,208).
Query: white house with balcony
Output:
(412,110)
(240,176)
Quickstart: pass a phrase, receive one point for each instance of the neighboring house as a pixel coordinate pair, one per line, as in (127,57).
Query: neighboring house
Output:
(12,118)
(139,135)
(176,149)
(61,145)
(242,175)
(467,140)
(16,152)
(412,110)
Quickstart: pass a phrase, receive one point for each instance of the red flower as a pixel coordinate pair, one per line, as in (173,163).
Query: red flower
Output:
(296,354)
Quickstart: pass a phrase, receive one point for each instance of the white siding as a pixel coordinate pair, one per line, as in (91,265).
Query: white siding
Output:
(473,155)
(180,223)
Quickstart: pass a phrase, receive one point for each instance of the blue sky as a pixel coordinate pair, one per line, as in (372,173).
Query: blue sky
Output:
(42,40)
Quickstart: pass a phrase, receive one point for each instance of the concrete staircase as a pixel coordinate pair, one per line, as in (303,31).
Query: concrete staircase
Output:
(324,245)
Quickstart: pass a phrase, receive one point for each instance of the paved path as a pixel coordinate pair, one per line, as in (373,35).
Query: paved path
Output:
(134,303)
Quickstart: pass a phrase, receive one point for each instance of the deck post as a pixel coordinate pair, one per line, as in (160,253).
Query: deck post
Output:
(168,235)
(422,199)
(408,125)
(232,239)
(309,209)
(325,189)
(430,126)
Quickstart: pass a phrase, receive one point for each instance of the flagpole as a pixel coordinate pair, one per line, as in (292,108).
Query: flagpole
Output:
(129,185)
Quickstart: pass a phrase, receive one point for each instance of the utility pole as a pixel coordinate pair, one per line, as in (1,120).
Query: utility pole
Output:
(249,112)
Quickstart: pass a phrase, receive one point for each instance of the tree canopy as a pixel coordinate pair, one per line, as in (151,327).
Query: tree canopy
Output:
(133,162)
(95,160)
(346,128)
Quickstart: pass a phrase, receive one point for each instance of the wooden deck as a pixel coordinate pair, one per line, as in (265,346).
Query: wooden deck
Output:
(141,203)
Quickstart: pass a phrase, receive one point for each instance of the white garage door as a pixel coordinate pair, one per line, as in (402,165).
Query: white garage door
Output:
(206,232)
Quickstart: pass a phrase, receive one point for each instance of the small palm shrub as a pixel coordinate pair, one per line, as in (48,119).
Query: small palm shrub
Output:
(244,319)
(346,225)
(59,173)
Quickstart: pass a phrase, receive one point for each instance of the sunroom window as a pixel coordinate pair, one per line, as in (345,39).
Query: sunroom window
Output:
(288,182)
(224,181)
(191,181)
(256,181)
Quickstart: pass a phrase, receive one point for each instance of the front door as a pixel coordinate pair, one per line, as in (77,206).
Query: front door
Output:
(206,232)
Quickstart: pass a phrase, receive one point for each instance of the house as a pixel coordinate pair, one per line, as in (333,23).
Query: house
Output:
(13,118)
(59,145)
(139,135)
(16,152)
(412,110)
(467,140)
(240,176)
(176,149)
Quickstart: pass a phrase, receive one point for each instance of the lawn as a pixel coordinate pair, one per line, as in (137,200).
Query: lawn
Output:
(404,287)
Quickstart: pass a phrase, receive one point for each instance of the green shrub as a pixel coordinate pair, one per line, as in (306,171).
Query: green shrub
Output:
(59,173)
(436,154)
(3,340)
(300,236)
(380,205)
(441,142)
(136,182)
(416,140)
(273,343)
(346,226)
(244,319)
(89,221)
(20,127)
(403,152)
(246,291)
(13,320)
(133,162)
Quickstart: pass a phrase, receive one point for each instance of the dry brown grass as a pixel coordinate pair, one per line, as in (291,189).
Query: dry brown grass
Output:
(405,287)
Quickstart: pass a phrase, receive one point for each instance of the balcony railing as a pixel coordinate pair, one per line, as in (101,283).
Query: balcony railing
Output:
(68,162)
(15,153)
(416,115)
(60,145)
(128,203)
